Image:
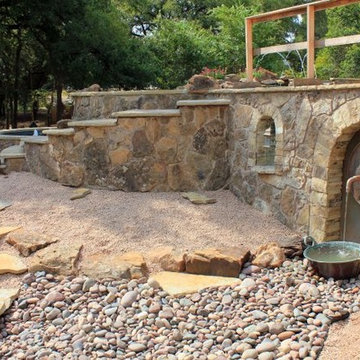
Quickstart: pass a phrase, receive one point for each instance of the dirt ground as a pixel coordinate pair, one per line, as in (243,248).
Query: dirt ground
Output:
(343,342)
(108,220)
(105,221)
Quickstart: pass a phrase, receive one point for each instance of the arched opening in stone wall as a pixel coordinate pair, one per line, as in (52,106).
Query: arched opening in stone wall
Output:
(351,212)
(265,142)
(329,179)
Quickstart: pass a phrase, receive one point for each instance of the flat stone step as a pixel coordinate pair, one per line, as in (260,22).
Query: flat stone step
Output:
(13,152)
(205,102)
(93,123)
(60,132)
(41,140)
(2,166)
(147,113)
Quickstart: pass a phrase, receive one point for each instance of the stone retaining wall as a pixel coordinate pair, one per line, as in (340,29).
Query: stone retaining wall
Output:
(205,149)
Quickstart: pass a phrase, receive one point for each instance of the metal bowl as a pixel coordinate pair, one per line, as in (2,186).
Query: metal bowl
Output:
(325,259)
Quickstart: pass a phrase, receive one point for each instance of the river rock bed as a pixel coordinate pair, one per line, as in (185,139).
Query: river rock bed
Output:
(275,313)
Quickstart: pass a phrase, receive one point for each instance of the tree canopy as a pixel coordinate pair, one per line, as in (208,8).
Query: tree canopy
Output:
(150,43)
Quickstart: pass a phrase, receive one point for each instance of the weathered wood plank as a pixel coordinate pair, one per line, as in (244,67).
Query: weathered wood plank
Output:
(342,40)
(311,42)
(249,49)
(300,9)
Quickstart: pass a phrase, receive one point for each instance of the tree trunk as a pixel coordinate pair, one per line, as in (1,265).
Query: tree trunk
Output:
(59,104)
(16,80)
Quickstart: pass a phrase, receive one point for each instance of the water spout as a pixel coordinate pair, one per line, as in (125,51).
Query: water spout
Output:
(350,181)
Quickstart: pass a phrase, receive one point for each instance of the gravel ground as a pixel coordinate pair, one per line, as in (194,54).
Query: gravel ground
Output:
(108,220)
(273,314)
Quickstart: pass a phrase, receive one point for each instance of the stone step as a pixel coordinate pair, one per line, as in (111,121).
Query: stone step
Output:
(2,166)
(138,113)
(204,102)
(93,123)
(40,140)
(60,132)
(13,152)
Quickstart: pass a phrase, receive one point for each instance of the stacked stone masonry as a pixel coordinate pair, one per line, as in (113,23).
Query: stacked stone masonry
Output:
(208,147)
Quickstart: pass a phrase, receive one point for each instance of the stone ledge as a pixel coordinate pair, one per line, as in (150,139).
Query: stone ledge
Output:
(40,140)
(13,152)
(93,123)
(264,169)
(147,113)
(60,132)
(210,102)
(128,93)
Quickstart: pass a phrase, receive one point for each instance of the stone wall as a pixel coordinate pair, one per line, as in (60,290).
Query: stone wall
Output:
(95,105)
(313,128)
(184,150)
(208,147)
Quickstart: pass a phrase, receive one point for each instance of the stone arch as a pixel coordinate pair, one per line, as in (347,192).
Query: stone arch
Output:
(327,173)
(261,114)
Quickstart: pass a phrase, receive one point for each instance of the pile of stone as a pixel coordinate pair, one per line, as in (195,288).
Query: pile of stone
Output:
(281,313)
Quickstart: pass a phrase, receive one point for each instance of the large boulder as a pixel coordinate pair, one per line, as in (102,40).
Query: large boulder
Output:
(201,84)
(130,265)
(27,242)
(57,258)
(168,258)
(269,255)
(217,262)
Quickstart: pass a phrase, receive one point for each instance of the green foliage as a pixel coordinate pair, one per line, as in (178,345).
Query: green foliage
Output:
(181,48)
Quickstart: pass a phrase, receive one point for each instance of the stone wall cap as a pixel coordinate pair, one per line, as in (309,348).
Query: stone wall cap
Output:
(93,123)
(146,113)
(60,132)
(41,140)
(127,93)
(205,102)
(287,89)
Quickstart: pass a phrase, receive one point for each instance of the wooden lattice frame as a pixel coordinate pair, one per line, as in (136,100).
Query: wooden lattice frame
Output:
(311,44)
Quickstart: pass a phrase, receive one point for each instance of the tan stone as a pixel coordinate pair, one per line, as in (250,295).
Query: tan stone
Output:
(269,255)
(57,258)
(95,132)
(119,156)
(11,264)
(222,262)
(7,296)
(169,258)
(27,242)
(80,193)
(4,230)
(177,284)
(114,266)
(198,199)
(166,148)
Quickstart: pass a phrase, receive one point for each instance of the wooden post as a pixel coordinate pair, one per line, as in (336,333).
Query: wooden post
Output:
(249,49)
(311,42)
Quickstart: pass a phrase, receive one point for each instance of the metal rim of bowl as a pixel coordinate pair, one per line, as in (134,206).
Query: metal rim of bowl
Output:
(328,244)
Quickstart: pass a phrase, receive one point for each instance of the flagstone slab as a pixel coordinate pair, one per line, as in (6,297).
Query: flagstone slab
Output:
(11,264)
(27,242)
(7,296)
(198,199)
(4,230)
(130,265)
(80,193)
(4,204)
(177,284)
(57,259)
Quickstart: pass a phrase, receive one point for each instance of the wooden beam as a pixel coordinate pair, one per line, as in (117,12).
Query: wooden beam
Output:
(249,49)
(342,40)
(311,42)
(299,10)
